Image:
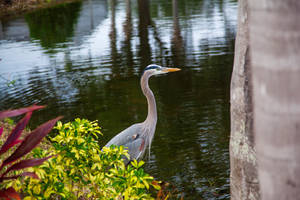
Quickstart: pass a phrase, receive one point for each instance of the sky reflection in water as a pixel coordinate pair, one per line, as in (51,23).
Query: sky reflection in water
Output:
(84,59)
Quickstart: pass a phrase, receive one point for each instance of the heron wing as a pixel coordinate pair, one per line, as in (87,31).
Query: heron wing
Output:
(136,148)
(126,136)
(130,138)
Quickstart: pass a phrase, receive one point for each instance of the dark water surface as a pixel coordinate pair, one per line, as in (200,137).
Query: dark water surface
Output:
(84,59)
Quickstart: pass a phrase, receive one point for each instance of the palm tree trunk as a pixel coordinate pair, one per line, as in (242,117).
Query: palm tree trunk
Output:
(243,165)
(275,60)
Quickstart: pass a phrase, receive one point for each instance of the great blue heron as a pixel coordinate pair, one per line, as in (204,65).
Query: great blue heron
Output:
(139,136)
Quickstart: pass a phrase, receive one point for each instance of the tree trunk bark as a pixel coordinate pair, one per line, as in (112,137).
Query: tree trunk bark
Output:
(243,165)
(275,59)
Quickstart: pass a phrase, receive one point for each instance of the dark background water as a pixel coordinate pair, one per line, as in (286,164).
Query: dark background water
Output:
(84,59)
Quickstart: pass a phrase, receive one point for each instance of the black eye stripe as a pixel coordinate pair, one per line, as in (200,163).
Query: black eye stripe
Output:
(151,67)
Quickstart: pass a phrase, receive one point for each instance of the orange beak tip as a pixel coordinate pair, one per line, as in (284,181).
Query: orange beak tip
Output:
(173,69)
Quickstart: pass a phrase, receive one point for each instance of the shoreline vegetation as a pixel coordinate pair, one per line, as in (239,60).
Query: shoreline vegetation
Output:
(13,8)
(159,189)
(76,167)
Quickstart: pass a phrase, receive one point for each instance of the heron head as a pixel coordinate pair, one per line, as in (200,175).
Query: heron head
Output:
(154,69)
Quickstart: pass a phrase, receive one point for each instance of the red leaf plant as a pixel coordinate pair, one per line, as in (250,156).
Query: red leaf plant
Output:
(13,162)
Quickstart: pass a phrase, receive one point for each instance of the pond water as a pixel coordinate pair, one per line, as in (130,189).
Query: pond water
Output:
(84,59)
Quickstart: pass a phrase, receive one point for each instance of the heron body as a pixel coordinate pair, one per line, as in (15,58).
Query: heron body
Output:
(138,137)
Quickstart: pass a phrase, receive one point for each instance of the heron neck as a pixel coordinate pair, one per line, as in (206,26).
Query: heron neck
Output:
(152,112)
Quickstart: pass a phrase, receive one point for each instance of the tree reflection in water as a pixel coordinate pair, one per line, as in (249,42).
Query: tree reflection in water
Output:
(85,61)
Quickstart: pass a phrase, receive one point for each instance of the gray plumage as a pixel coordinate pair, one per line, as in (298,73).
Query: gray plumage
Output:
(138,137)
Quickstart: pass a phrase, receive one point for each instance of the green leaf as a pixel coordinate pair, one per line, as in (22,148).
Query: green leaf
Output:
(141,163)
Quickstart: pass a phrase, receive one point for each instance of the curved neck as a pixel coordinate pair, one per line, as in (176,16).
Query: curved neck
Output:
(152,113)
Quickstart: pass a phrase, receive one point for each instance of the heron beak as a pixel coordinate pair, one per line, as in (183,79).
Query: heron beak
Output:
(171,69)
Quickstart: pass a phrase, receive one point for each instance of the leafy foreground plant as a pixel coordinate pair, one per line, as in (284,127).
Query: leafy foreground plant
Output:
(81,170)
(11,166)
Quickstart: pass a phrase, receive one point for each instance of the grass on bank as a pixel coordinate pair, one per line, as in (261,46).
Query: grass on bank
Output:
(11,8)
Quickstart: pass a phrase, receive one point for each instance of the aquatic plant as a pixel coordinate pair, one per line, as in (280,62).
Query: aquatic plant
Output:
(12,166)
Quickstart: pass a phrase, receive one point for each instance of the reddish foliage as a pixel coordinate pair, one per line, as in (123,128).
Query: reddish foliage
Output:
(26,145)
(1,130)
(17,112)
(15,134)
(9,193)
(167,191)
(31,141)
(26,163)
(31,174)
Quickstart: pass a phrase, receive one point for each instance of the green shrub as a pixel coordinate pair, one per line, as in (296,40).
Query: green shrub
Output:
(80,169)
